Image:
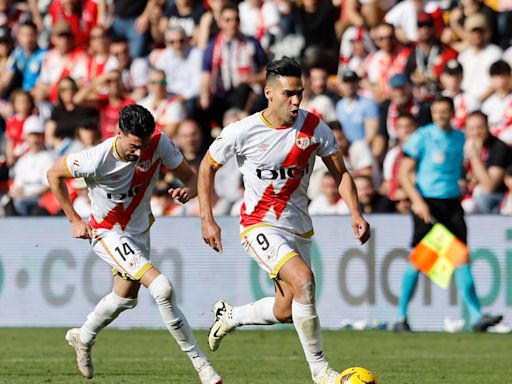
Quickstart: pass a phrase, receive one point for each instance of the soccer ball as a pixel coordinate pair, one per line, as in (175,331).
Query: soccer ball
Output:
(356,375)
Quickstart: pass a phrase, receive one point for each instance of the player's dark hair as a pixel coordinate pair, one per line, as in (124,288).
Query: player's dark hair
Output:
(444,99)
(284,67)
(500,68)
(480,114)
(136,120)
(335,125)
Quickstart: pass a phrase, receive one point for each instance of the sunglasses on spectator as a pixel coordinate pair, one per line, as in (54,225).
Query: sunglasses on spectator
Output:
(177,41)
(97,37)
(404,200)
(120,53)
(158,82)
(426,24)
(65,88)
(65,34)
(382,38)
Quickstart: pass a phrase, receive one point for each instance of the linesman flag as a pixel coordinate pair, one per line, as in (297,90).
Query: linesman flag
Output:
(438,254)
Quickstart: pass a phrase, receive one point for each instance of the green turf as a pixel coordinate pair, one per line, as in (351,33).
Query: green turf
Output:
(245,357)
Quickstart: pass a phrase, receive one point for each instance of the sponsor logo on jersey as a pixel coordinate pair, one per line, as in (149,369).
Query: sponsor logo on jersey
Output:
(282,173)
(263,146)
(76,163)
(144,165)
(302,142)
(134,262)
(121,196)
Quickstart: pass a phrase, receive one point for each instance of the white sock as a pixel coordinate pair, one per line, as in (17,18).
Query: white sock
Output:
(175,321)
(307,324)
(260,312)
(105,312)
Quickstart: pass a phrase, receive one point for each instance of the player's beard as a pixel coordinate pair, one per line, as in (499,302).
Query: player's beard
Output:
(132,157)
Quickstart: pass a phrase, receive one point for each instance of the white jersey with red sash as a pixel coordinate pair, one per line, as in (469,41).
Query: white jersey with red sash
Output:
(276,164)
(120,190)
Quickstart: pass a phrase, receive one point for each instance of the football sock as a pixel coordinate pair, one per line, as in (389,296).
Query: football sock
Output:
(409,282)
(260,312)
(307,324)
(175,321)
(466,288)
(105,312)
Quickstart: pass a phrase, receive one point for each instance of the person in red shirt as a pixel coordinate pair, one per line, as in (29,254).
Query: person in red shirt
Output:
(23,105)
(108,95)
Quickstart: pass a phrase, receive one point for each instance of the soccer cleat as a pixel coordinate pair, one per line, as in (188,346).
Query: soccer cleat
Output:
(208,375)
(326,376)
(402,326)
(83,353)
(221,326)
(485,322)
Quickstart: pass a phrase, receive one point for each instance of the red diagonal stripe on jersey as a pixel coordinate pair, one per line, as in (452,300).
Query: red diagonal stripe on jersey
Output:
(298,158)
(119,214)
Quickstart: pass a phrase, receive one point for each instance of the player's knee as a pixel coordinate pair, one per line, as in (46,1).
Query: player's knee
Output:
(161,288)
(305,289)
(283,315)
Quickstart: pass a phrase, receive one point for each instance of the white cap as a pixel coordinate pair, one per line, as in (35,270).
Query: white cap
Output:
(33,124)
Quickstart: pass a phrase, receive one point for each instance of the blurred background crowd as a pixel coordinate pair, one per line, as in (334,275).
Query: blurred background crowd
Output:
(371,70)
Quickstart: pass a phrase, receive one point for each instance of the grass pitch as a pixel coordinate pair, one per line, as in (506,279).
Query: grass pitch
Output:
(247,357)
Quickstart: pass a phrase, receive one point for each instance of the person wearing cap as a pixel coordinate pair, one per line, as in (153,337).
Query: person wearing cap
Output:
(429,56)
(30,181)
(26,60)
(402,100)
(359,115)
(498,106)
(356,44)
(478,57)
(451,81)
(62,61)
(430,173)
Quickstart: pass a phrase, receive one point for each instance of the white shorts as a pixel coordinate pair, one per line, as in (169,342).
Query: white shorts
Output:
(128,255)
(272,247)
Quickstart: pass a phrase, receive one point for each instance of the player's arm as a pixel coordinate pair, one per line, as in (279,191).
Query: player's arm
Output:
(348,192)
(406,178)
(57,176)
(210,230)
(189,178)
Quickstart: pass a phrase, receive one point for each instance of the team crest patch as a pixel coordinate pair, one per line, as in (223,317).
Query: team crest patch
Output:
(144,165)
(302,142)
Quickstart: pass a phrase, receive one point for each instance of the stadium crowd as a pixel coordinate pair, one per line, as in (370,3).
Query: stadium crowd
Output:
(372,70)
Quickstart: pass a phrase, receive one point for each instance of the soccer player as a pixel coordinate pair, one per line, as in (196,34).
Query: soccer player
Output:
(120,174)
(429,173)
(275,150)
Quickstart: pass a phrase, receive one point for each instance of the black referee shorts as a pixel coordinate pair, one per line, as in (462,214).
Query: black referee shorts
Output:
(448,212)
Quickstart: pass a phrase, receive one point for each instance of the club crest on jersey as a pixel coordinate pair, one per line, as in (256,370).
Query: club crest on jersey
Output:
(302,142)
(144,165)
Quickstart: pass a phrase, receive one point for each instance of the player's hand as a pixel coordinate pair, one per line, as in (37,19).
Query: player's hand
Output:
(211,234)
(421,209)
(80,229)
(180,194)
(361,228)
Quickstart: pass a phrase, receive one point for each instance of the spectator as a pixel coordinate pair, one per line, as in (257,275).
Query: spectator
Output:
(23,106)
(356,45)
(318,103)
(369,199)
(429,56)
(61,128)
(402,203)
(209,25)
(131,22)
(190,141)
(402,100)
(64,60)
(168,112)
(487,161)
(108,105)
(478,57)
(405,126)
(25,61)
(82,16)
(88,135)
(498,106)
(430,173)
(182,65)
(30,181)
(388,60)
(261,20)
(185,14)
(328,201)
(362,13)
(12,14)
(134,72)
(359,115)
(162,204)
(451,81)
(99,53)
(233,65)
(6,47)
